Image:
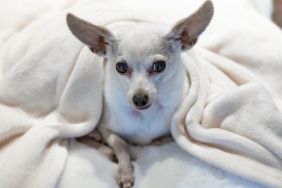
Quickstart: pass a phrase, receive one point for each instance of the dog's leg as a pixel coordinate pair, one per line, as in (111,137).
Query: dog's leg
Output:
(94,140)
(162,140)
(125,176)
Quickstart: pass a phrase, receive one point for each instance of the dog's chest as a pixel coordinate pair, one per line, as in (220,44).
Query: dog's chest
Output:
(139,127)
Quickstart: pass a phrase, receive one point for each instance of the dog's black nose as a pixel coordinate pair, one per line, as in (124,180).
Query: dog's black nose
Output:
(140,100)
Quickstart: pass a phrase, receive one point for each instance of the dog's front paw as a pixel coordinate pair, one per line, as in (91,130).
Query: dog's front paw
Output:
(125,178)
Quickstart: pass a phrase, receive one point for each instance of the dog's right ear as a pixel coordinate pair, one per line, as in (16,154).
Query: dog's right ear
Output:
(96,37)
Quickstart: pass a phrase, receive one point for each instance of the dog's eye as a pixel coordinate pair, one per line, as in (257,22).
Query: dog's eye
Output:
(158,66)
(121,67)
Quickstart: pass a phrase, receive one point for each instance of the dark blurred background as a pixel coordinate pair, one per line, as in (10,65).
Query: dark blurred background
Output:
(277,16)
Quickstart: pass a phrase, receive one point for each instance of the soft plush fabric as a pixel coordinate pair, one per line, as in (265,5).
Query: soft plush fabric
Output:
(228,131)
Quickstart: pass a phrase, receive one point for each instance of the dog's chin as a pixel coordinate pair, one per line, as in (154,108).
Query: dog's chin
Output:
(143,108)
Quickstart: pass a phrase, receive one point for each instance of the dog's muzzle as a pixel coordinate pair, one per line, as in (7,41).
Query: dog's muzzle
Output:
(141,100)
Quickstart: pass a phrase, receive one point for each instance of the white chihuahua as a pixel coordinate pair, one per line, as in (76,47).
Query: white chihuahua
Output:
(144,78)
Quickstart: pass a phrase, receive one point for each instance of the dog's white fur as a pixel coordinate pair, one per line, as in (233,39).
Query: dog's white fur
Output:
(140,47)
(140,44)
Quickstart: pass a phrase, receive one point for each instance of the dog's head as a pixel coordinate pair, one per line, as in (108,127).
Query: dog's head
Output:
(143,57)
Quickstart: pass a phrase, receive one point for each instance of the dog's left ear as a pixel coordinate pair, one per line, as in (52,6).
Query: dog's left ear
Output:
(187,31)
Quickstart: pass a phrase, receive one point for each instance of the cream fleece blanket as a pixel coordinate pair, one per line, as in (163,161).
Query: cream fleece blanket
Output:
(50,92)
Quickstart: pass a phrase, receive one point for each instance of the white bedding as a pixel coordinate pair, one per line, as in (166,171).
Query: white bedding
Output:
(50,92)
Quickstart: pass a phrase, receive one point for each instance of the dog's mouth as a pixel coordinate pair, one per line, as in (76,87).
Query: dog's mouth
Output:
(143,108)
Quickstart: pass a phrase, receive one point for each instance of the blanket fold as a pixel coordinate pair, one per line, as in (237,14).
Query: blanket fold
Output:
(239,130)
